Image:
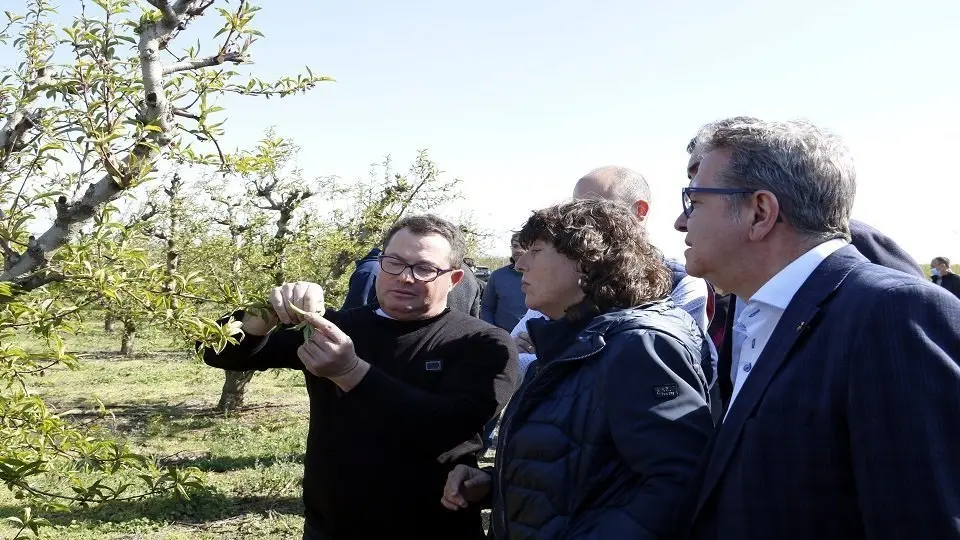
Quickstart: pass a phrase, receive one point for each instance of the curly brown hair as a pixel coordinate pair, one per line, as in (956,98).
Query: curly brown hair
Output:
(620,267)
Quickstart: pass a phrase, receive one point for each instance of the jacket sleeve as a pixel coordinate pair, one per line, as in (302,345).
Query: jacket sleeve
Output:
(488,302)
(475,307)
(660,423)
(277,349)
(954,286)
(904,414)
(474,386)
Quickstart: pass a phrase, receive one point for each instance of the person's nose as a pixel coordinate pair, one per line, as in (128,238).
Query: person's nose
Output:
(521,264)
(681,223)
(407,275)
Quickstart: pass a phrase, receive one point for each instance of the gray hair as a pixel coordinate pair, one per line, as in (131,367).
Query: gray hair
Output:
(942,260)
(808,169)
(695,144)
(628,186)
(429,224)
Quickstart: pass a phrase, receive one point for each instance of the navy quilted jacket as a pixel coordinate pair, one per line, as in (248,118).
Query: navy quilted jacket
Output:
(603,436)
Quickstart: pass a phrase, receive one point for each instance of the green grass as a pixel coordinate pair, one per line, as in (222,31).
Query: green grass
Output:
(162,402)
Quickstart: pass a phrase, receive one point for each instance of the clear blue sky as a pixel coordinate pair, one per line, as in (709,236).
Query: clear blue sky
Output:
(521,98)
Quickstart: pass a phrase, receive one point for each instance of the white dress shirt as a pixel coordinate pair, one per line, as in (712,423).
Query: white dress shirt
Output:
(757,318)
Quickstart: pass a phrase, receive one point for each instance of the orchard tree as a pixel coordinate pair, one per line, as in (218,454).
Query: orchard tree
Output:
(371,207)
(276,187)
(88,112)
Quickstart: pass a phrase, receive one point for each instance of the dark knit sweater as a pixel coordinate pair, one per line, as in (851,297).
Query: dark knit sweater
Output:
(371,462)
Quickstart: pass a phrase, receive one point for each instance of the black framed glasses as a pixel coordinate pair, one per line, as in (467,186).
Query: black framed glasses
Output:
(396,266)
(688,204)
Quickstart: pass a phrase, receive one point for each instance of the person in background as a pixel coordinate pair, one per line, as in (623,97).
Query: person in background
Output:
(466,296)
(718,326)
(503,300)
(842,422)
(940,267)
(392,389)
(361,287)
(503,304)
(607,428)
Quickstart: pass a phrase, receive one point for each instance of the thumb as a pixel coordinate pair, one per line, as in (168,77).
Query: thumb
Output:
(332,332)
(473,481)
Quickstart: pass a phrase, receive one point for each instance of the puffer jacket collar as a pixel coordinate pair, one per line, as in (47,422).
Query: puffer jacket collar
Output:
(590,340)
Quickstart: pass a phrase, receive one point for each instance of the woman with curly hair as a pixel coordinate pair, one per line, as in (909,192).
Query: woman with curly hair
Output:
(607,428)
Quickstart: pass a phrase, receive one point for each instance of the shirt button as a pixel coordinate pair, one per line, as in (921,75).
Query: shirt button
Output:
(747,368)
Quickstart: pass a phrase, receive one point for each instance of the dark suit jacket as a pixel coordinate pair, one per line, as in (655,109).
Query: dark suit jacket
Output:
(466,295)
(877,247)
(951,282)
(848,427)
(880,249)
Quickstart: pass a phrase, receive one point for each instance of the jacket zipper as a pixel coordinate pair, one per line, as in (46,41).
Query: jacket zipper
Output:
(498,461)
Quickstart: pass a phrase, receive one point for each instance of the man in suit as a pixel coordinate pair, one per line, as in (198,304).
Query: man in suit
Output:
(877,247)
(842,420)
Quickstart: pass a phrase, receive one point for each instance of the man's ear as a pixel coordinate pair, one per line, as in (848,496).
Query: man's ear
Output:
(766,214)
(640,209)
(455,277)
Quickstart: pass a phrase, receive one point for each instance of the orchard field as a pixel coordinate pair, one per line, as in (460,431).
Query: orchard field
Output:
(162,402)
(127,230)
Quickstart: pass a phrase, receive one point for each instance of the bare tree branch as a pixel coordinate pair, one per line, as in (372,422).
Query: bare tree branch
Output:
(147,215)
(186,65)
(22,120)
(10,256)
(169,13)
(186,114)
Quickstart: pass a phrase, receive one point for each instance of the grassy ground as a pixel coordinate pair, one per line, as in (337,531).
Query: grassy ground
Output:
(162,402)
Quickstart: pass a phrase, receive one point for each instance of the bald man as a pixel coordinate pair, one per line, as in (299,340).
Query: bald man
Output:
(630,188)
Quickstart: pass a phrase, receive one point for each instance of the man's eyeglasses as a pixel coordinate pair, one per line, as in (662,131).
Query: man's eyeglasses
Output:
(420,271)
(688,204)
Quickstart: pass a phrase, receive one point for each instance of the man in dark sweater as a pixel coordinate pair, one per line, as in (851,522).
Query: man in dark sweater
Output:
(940,267)
(392,388)
(503,300)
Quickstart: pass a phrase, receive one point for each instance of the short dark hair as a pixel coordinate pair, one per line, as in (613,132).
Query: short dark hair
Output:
(428,224)
(942,260)
(620,267)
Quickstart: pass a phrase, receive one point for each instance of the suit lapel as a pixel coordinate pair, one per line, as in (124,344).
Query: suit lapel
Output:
(798,320)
